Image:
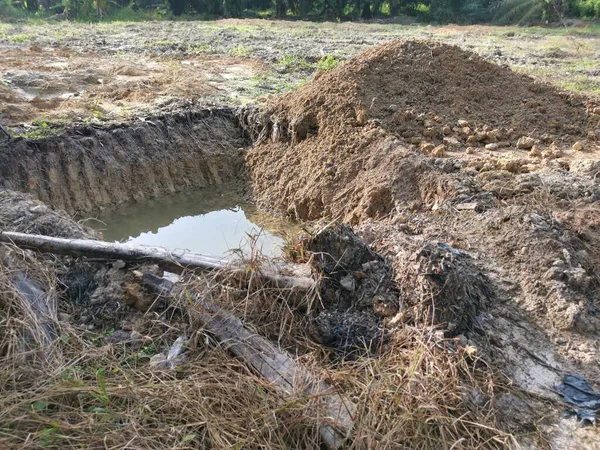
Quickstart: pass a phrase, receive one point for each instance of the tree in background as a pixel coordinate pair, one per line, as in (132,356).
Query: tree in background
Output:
(441,11)
(177,7)
(525,11)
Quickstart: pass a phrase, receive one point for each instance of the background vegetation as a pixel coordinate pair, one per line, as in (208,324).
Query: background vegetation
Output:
(441,11)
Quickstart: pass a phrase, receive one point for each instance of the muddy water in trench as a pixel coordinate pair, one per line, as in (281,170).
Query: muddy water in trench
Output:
(210,221)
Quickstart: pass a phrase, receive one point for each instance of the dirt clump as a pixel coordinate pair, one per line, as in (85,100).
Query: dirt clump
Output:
(357,292)
(20,212)
(443,286)
(350,143)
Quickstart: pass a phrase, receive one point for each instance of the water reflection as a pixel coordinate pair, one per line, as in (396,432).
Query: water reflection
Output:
(209,221)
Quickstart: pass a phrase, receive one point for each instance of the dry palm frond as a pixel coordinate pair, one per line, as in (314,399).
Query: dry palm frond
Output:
(525,11)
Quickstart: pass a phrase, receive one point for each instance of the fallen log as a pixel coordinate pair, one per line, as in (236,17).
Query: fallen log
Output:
(284,276)
(273,364)
(276,366)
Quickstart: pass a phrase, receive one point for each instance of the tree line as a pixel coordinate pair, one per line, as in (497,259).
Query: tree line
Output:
(441,11)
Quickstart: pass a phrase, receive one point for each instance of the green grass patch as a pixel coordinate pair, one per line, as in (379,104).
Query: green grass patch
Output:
(582,86)
(327,63)
(240,51)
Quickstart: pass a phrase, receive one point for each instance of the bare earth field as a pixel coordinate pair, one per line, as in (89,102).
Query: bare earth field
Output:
(72,72)
(448,183)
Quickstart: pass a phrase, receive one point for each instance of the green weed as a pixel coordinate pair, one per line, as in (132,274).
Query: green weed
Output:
(21,38)
(293,63)
(327,63)
(200,48)
(240,51)
(41,131)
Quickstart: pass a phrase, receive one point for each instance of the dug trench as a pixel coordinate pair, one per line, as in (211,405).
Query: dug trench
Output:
(450,308)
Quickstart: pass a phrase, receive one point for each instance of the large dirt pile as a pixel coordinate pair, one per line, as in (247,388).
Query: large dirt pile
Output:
(349,142)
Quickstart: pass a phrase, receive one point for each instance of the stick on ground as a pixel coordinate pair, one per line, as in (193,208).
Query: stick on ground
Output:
(284,276)
(275,365)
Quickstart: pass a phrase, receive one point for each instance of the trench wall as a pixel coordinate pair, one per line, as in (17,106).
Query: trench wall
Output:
(87,169)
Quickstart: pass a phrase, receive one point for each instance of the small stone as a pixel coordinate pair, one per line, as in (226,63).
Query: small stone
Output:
(549,155)
(393,108)
(525,143)
(492,147)
(38,209)
(429,132)
(452,142)
(465,130)
(463,123)
(481,136)
(348,283)
(361,117)
(440,150)
(535,152)
(492,136)
(472,140)
(427,147)
(592,136)
(470,150)
(446,130)
(578,146)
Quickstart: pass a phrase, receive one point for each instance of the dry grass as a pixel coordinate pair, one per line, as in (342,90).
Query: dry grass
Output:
(417,393)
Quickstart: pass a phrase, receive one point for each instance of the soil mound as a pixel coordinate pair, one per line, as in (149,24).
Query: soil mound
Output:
(351,133)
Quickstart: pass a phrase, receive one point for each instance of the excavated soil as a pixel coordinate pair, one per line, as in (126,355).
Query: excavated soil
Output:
(342,145)
(478,184)
(87,168)
(474,192)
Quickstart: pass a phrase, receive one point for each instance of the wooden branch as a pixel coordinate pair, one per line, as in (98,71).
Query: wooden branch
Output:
(276,366)
(273,364)
(294,277)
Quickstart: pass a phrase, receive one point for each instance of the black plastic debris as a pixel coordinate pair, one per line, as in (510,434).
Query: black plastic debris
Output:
(580,395)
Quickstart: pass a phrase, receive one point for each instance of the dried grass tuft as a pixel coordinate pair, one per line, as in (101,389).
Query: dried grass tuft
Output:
(422,391)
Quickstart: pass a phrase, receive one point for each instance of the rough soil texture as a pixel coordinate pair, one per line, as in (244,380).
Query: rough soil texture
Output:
(95,72)
(61,84)
(480,215)
(498,243)
(357,291)
(20,212)
(86,169)
(346,134)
